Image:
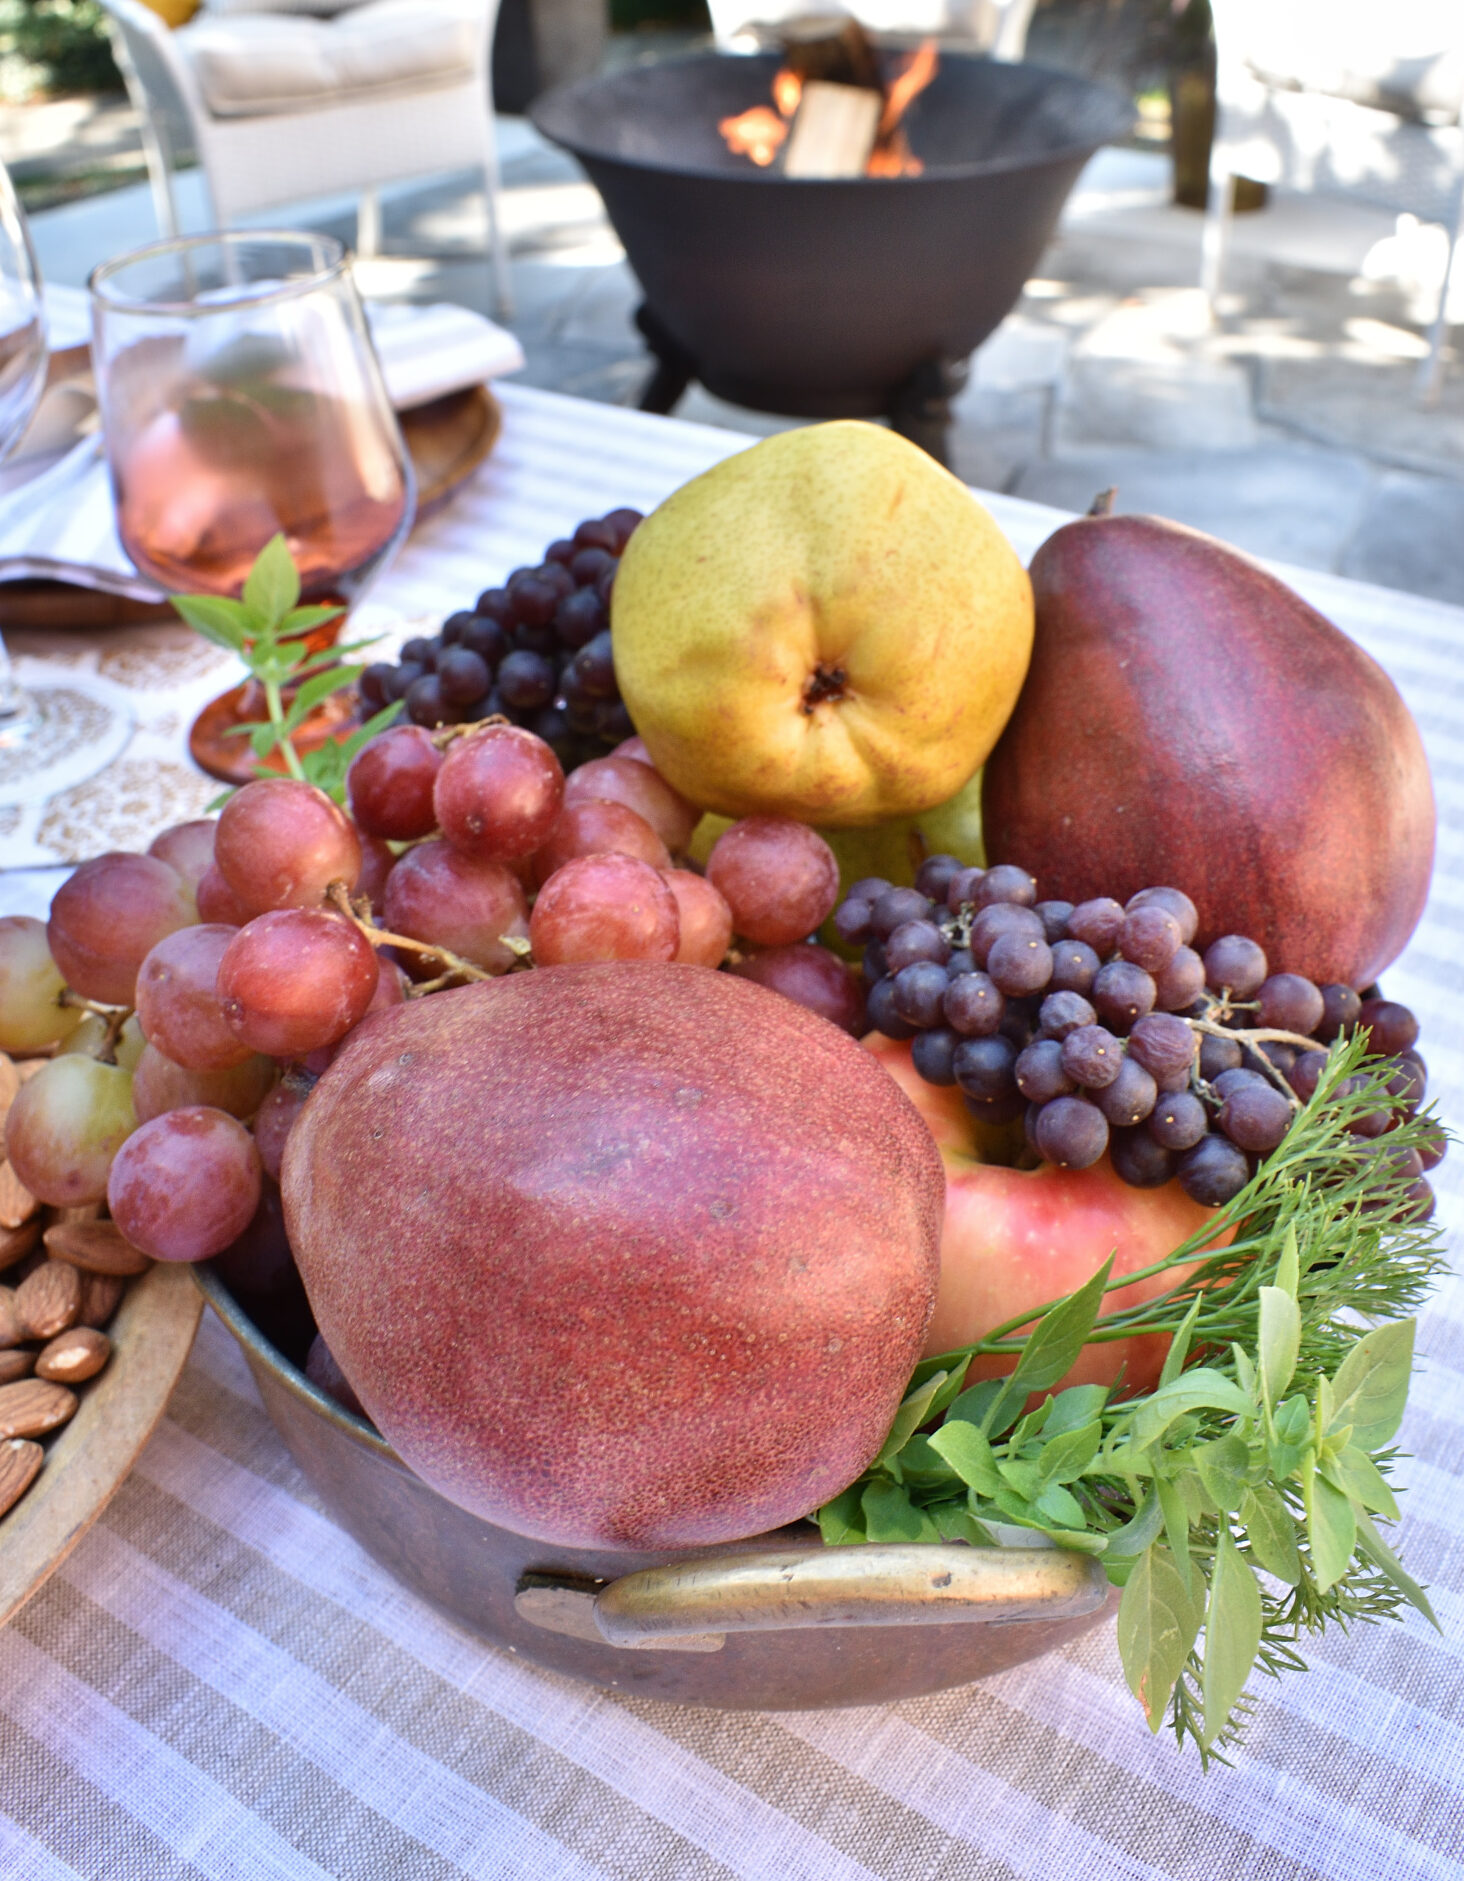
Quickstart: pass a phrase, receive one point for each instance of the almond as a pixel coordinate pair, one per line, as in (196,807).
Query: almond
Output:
(49,1300)
(11,1330)
(20,1463)
(99,1296)
(16,1243)
(30,1407)
(17,1204)
(16,1363)
(74,1355)
(97,1246)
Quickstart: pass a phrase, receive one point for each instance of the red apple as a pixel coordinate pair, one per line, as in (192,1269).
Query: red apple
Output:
(1018,1239)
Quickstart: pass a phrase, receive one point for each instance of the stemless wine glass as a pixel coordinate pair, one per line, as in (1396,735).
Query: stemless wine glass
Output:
(53,735)
(241,397)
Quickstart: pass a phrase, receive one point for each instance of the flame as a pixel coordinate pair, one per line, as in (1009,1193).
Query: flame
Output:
(758,134)
(787,90)
(919,69)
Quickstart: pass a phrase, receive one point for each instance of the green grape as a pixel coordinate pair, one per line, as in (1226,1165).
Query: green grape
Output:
(30,987)
(130,1044)
(66,1125)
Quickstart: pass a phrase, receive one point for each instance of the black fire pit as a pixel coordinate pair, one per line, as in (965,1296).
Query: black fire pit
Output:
(829,298)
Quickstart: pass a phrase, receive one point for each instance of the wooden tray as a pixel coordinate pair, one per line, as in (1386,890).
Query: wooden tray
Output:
(151,1336)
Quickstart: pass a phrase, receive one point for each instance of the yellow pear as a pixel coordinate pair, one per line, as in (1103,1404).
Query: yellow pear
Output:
(827,626)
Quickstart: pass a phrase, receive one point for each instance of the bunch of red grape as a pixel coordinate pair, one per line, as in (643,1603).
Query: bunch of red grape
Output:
(535,651)
(176,987)
(1104,1030)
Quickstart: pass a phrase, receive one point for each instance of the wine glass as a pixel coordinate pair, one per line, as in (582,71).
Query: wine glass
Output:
(241,398)
(52,735)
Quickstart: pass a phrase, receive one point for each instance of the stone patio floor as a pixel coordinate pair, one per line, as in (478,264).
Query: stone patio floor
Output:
(1289,428)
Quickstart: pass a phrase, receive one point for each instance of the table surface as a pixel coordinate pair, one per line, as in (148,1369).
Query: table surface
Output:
(219,1683)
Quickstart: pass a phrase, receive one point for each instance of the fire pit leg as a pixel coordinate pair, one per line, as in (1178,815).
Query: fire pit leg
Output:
(674,370)
(920,409)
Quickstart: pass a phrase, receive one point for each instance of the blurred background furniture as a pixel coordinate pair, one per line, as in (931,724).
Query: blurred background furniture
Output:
(1356,100)
(998,27)
(313,98)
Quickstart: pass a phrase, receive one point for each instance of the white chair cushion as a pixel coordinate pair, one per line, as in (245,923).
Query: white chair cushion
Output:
(267,64)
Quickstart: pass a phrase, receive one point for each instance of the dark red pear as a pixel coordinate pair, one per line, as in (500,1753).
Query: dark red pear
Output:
(1188,719)
(619,1255)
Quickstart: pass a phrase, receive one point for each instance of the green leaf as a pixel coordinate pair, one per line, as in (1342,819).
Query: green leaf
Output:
(318,687)
(1331,1526)
(1176,1522)
(1063,1458)
(914,1412)
(1074,1408)
(890,1515)
(225,623)
(272,586)
(922,1465)
(1232,1634)
(1280,1340)
(1158,1621)
(1224,1467)
(262,740)
(1180,1344)
(1198,1390)
(971,1406)
(1288,1268)
(969,1455)
(1056,1505)
(1370,1388)
(304,620)
(1139,1533)
(955,1522)
(1051,1350)
(1356,1475)
(1381,1555)
(951,1389)
(841,1521)
(1271,1531)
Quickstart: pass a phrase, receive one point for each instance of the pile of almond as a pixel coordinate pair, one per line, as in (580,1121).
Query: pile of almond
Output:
(62,1274)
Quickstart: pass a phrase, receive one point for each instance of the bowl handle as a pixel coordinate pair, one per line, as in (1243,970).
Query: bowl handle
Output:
(874,1585)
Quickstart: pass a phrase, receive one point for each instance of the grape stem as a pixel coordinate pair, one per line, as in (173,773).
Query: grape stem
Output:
(115,1016)
(358,914)
(1260,1035)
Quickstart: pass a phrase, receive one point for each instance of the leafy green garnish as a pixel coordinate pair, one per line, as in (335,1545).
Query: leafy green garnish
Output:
(1263,1451)
(270,634)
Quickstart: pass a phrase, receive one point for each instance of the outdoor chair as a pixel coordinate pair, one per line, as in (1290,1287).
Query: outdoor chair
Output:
(314,97)
(1346,99)
(998,27)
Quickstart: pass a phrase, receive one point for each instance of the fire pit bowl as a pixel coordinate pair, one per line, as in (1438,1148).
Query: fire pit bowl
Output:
(829,298)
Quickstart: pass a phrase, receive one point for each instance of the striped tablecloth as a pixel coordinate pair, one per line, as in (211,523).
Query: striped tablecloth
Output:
(219,1683)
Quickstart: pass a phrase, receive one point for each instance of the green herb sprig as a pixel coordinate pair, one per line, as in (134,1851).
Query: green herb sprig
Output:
(269,633)
(1240,1498)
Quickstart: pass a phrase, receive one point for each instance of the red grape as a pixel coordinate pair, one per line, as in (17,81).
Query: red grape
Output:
(178,1003)
(498,793)
(391,990)
(390,783)
(296,978)
(378,859)
(186,1184)
(1239,965)
(31,1017)
(813,977)
(275,1119)
(599,828)
(217,902)
(280,844)
(66,1125)
(437,894)
(604,908)
(640,788)
(159,1085)
(779,879)
(187,847)
(108,915)
(706,920)
(634,748)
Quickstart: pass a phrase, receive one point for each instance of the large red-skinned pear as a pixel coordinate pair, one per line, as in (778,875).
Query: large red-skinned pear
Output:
(624,1255)
(1188,719)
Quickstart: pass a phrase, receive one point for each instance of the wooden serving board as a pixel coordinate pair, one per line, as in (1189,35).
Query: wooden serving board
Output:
(151,1336)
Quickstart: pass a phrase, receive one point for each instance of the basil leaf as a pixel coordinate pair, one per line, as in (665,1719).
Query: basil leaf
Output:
(1158,1620)
(1198,1390)
(1074,1408)
(1179,1346)
(972,1405)
(1288,1268)
(841,1521)
(1056,1505)
(1356,1475)
(272,586)
(1137,1534)
(1280,1340)
(914,1412)
(1224,1466)
(1381,1555)
(922,1465)
(1062,1459)
(1176,1522)
(1271,1531)
(1051,1350)
(312,691)
(1232,1634)
(890,1515)
(225,623)
(1370,1388)
(1331,1526)
(955,1522)
(969,1455)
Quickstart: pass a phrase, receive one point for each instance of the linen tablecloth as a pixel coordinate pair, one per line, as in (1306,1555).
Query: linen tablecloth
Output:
(219,1683)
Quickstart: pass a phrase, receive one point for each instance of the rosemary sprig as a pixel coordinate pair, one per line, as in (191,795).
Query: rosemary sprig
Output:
(269,632)
(1238,1499)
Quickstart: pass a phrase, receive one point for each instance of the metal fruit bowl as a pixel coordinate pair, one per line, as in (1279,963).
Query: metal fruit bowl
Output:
(777,1622)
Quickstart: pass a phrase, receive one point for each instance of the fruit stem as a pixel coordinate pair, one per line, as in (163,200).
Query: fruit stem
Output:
(1261,1035)
(275,706)
(358,914)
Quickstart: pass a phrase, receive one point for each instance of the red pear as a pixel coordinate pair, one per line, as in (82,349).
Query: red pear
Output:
(1188,719)
(627,1254)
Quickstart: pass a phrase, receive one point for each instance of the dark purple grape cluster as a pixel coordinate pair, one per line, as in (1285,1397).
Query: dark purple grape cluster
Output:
(1105,1031)
(535,651)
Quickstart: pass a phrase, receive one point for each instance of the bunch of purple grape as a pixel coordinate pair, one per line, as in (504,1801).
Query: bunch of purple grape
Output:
(535,651)
(1103,1028)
